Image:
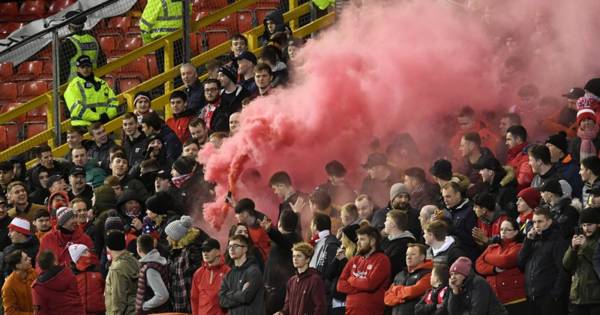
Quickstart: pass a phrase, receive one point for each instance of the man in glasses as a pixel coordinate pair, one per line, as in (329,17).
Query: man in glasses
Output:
(242,291)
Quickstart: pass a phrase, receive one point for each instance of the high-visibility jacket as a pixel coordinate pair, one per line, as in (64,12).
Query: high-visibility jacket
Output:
(85,44)
(323,4)
(161,17)
(87,101)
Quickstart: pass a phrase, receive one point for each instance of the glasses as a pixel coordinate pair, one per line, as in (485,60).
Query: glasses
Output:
(235,246)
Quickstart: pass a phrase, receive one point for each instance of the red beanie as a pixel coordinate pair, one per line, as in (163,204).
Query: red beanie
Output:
(531,196)
(585,114)
(462,266)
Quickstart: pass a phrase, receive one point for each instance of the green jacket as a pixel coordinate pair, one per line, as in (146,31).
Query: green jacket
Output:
(94,175)
(323,4)
(585,285)
(121,285)
(87,100)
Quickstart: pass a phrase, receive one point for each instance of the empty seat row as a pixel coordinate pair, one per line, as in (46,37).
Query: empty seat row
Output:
(31,9)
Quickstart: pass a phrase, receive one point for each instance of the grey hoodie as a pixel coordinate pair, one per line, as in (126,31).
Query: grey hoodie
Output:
(154,280)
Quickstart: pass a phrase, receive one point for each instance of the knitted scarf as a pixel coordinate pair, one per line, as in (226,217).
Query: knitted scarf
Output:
(180,180)
(587,141)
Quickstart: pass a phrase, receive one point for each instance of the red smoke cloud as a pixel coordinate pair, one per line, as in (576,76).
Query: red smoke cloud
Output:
(387,69)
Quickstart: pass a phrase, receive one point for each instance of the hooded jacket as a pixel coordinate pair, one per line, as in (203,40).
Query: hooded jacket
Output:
(364,280)
(205,289)
(504,189)
(325,251)
(518,159)
(171,142)
(152,292)
(305,294)
(90,284)
(58,241)
(16,294)
(585,286)
(55,292)
(476,297)
(408,287)
(395,249)
(447,254)
(243,302)
(277,17)
(121,285)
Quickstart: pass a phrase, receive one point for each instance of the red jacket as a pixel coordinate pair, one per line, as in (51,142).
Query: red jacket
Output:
(91,288)
(398,293)
(261,240)
(518,159)
(205,289)
(492,229)
(305,294)
(508,285)
(179,125)
(58,242)
(364,281)
(55,292)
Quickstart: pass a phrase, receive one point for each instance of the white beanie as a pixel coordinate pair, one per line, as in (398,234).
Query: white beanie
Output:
(20,225)
(76,251)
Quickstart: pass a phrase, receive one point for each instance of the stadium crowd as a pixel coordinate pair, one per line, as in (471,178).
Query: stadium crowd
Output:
(507,224)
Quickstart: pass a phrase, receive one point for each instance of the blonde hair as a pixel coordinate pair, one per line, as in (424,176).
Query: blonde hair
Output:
(306,249)
(349,245)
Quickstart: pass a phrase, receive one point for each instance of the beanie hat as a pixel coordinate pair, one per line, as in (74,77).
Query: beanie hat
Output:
(245,204)
(141,95)
(442,169)
(115,240)
(589,215)
(20,225)
(177,229)
(462,266)
(531,196)
(288,220)
(488,163)
(585,114)
(76,251)
(229,72)
(159,203)
(397,189)
(184,165)
(64,214)
(350,232)
(114,223)
(552,186)
(560,141)
(593,86)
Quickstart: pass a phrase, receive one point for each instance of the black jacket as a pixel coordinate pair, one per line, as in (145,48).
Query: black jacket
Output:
(463,222)
(243,302)
(195,96)
(541,261)
(171,142)
(504,190)
(396,251)
(476,297)
(428,303)
(135,149)
(566,216)
(279,267)
(4,239)
(326,254)
(220,117)
(234,99)
(101,154)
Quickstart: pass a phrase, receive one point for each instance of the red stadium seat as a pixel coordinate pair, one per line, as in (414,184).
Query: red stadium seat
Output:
(130,43)
(6,71)
(108,44)
(37,114)
(33,128)
(10,106)
(32,9)
(216,37)
(215,4)
(200,15)
(7,28)
(244,21)
(58,5)
(128,82)
(31,89)
(139,67)
(9,135)
(8,11)
(120,23)
(47,71)
(8,93)
(194,37)
(30,70)
(152,64)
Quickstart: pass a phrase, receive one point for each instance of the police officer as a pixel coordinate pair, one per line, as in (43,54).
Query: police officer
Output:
(89,98)
(161,17)
(79,43)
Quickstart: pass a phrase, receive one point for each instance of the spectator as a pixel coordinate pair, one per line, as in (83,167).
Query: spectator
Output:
(232,93)
(366,211)
(46,161)
(234,123)
(472,153)
(239,45)
(55,201)
(246,62)
(154,125)
(463,217)
(263,78)
(182,114)
(528,199)
(546,283)
(397,239)
(348,216)
(435,300)
(427,214)
(590,174)
(565,119)
(67,232)
(441,170)
(421,191)
(152,293)
(122,278)
(336,186)
(541,165)
(119,167)
(86,89)
(7,175)
(40,187)
(366,276)
(499,265)
(563,213)
(186,256)
(506,121)
(517,157)
(22,238)
(142,102)
(55,290)
(380,179)
(208,279)
(500,183)
(291,199)
(90,282)
(198,130)
(470,293)
(305,292)
(278,266)
(191,148)
(4,222)
(99,151)
(193,87)
(84,217)
(578,261)
(16,291)
(134,141)
(587,142)
(568,167)
(400,200)
(192,189)
(158,20)
(217,111)
(489,219)
(326,244)
(79,188)
(348,239)
(75,140)
(273,57)
(94,175)
(443,249)
(467,122)
(245,212)
(242,290)
(57,184)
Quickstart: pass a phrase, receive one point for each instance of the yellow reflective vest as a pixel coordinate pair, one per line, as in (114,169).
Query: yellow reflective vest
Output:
(87,45)
(161,17)
(86,101)
(323,4)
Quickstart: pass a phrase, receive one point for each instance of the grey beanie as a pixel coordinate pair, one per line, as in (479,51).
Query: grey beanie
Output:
(64,214)
(177,229)
(397,189)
